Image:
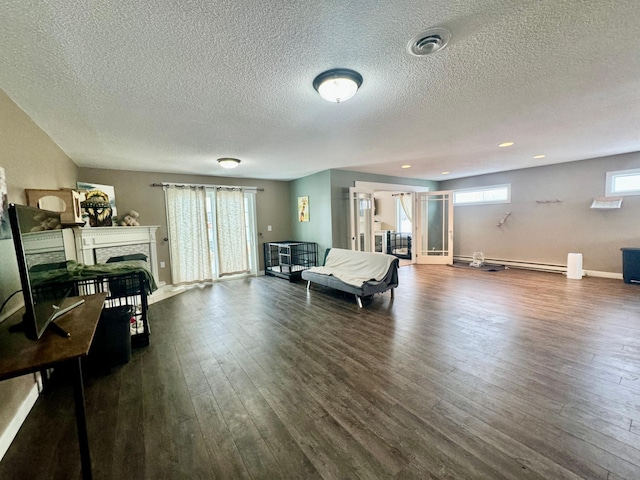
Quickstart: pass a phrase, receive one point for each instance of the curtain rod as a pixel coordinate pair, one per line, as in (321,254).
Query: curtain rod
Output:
(200,185)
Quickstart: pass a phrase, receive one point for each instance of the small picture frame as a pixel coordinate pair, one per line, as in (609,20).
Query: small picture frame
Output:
(303,209)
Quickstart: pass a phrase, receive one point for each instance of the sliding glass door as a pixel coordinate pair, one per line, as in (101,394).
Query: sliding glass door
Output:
(212,232)
(232,232)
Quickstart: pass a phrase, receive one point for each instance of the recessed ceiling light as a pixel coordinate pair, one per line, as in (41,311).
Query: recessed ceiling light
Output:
(505,144)
(445,173)
(539,156)
(406,166)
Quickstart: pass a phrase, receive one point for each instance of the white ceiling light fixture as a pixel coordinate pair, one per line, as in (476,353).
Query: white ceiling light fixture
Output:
(429,41)
(337,85)
(228,162)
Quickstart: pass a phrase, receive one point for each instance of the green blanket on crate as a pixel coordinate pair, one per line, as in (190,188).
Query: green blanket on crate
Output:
(80,271)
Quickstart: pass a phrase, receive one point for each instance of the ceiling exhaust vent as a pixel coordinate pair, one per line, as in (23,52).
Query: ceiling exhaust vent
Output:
(429,41)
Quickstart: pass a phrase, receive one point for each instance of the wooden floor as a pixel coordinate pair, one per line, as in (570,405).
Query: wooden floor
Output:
(466,374)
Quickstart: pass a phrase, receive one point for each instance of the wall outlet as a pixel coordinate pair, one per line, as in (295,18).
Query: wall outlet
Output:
(269,228)
(162,264)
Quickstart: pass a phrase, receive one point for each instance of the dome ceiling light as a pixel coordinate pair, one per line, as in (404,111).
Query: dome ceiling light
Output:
(228,162)
(429,41)
(337,85)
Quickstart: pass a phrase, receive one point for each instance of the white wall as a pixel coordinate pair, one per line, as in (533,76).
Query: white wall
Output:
(386,210)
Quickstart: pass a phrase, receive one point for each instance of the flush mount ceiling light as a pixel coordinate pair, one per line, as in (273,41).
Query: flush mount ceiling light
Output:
(337,85)
(429,41)
(228,162)
(506,144)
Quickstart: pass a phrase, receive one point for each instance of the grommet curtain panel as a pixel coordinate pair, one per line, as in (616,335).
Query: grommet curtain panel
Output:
(188,235)
(405,203)
(231,232)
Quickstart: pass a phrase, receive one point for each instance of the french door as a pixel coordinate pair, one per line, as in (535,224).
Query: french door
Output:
(361,219)
(434,228)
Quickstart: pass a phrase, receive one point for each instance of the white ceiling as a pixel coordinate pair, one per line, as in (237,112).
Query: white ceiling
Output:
(171,85)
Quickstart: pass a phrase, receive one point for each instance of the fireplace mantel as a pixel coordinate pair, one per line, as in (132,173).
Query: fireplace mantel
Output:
(91,243)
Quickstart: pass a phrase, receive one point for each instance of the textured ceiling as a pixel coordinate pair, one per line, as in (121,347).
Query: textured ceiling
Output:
(172,85)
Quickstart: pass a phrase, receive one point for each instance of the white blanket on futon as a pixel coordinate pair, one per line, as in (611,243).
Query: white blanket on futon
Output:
(355,268)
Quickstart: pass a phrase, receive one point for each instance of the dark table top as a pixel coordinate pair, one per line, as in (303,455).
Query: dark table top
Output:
(19,355)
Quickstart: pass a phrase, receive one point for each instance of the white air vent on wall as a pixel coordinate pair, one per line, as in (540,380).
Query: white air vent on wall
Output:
(606,203)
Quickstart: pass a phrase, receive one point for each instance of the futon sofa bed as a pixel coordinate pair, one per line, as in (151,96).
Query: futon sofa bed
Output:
(360,273)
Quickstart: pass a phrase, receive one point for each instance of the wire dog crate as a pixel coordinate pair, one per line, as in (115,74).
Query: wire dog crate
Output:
(129,289)
(399,244)
(288,258)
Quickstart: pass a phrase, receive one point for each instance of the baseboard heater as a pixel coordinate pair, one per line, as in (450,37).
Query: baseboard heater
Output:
(542,267)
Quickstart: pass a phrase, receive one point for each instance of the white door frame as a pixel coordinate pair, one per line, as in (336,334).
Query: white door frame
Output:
(354,220)
(396,187)
(444,255)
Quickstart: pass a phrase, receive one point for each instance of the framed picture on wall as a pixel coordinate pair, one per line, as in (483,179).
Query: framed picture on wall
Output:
(98,194)
(303,209)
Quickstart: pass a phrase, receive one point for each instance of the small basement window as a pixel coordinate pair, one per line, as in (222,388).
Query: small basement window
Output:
(483,195)
(623,182)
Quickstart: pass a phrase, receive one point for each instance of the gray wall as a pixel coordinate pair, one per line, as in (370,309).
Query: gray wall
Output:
(547,232)
(318,229)
(30,160)
(134,192)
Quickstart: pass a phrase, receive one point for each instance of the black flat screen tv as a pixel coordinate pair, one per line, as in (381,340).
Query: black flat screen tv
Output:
(39,244)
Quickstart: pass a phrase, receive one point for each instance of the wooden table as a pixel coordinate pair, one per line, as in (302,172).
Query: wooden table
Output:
(20,356)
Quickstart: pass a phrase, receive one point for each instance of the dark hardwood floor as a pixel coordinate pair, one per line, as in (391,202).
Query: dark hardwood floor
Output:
(466,374)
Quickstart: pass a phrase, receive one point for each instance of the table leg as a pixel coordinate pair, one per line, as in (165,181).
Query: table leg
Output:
(81,421)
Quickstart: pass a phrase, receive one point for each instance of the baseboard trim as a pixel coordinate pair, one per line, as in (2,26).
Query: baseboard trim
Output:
(542,267)
(595,273)
(18,419)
